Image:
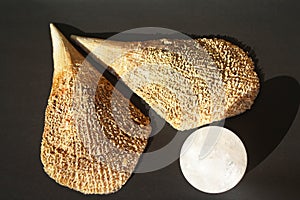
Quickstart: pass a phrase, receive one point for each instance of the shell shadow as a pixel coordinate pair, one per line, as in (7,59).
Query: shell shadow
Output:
(261,128)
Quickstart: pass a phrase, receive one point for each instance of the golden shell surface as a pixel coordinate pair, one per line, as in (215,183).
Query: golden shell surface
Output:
(189,83)
(87,146)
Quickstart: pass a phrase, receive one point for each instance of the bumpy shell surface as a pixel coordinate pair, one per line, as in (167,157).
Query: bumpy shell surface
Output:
(93,136)
(187,82)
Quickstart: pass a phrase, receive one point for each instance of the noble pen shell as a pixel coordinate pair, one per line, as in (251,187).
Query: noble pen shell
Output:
(88,144)
(187,82)
(213,159)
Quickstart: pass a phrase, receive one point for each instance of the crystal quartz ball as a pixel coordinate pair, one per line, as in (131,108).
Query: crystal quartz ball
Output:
(213,159)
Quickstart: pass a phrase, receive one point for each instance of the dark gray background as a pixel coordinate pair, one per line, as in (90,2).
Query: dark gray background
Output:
(271,28)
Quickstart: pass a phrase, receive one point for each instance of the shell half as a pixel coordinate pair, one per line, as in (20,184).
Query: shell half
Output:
(93,136)
(189,83)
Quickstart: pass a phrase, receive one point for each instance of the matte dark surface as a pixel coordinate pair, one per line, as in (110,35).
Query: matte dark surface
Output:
(270,130)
